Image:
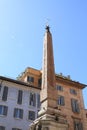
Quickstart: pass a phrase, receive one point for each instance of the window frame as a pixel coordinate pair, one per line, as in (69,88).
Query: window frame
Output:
(59,87)
(18,113)
(32,99)
(5,93)
(31,112)
(61,100)
(75,105)
(20,97)
(3,110)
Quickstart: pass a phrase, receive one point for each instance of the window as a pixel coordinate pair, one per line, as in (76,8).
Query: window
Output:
(60,88)
(61,100)
(16,129)
(86,115)
(3,110)
(78,125)
(30,79)
(5,93)
(31,115)
(18,113)
(0,87)
(73,91)
(39,82)
(32,100)
(75,105)
(2,128)
(20,93)
(38,100)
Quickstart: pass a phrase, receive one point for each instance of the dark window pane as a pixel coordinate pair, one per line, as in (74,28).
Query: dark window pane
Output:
(32,99)
(18,113)
(5,93)
(39,82)
(20,93)
(73,91)
(60,88)
(31,115)
(38,100)
(3,110)
(16,129)
(78,125)
(2,128)
(61,100)
(30,79)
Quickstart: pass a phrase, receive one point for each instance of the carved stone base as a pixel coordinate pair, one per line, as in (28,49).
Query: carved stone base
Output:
(49,122)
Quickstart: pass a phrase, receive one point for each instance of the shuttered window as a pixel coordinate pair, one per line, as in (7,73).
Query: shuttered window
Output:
(0,87)
(3,110)
(39,82)
(20,93)
(30,79)
(5,93)
(75,105)
(73,91)
(38,100)
(60,88)
(16,129)
(78,125)
(32,99)
(2,128)
(18,113)
(61,100)
(31,115)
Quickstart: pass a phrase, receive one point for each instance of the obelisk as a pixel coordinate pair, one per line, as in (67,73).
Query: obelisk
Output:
(49,117)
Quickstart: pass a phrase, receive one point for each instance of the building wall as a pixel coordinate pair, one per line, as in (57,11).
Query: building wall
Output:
(67,108)
(9,121)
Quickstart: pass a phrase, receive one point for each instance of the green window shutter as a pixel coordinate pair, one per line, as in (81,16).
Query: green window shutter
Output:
(5,93)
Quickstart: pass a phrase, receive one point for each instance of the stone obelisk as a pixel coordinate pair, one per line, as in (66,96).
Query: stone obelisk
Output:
(49,117)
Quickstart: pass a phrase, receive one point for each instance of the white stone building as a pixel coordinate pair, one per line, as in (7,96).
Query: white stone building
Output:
(19,103)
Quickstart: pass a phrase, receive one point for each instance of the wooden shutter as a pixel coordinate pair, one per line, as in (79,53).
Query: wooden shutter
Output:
(34,99)
(5,93)
(73,105)
(20,93)
(5,110)
(77,107)
(62,101)
(15,111)
(21,113)
(38,100)
(80,126)
(31,99)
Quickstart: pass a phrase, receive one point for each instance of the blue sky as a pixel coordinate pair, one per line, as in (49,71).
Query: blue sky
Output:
(22,27)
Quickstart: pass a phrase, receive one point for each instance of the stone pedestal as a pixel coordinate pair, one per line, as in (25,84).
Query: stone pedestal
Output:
(49,122)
